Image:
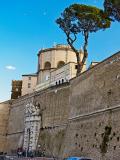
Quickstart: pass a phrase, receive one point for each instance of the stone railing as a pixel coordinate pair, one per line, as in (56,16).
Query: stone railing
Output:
(42,86)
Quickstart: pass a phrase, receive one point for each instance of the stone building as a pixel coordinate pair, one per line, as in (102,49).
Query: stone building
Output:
(16,89)
(29,82)
(78,118)
(56,65)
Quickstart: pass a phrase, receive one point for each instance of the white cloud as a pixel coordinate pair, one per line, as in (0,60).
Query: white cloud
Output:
(9,67)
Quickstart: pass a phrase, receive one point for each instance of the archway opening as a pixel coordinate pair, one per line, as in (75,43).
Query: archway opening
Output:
(47,65)
(60,64)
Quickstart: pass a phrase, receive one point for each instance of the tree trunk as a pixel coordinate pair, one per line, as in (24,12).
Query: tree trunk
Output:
(78,64)
(86,35)
(77,56)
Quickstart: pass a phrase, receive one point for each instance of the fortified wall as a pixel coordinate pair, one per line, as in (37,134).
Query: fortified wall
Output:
(4,117)
(80,119)
(94,122)
(93,127)
(54,106)
(16,125)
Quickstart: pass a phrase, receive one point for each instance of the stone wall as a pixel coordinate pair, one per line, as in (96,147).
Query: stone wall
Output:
(54,106)
(54,103)
(80,119)
(96,136)
(4,116)
(51,140)
(97,88)
(94,123)
(16,125)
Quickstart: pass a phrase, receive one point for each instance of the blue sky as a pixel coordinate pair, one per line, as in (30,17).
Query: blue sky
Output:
(26,26)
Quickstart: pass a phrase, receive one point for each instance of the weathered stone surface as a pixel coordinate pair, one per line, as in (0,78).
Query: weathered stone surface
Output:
(94,123)
(4,116)
(97,88)
(54,106)
(81,119)
(86,136)
(51,140)
(16,124)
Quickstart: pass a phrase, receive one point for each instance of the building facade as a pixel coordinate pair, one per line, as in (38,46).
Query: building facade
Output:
(80,118)
(77,119)
(29,82)
(56,65)
(16,89)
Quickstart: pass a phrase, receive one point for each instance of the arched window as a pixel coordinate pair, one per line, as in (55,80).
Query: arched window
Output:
(60,64)
(47,65)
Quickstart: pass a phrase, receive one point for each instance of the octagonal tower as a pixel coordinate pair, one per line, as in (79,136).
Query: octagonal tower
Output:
(54,58)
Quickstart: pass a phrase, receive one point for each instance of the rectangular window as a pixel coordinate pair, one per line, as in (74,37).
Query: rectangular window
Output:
(76,66)
(29,85)
(29,78)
